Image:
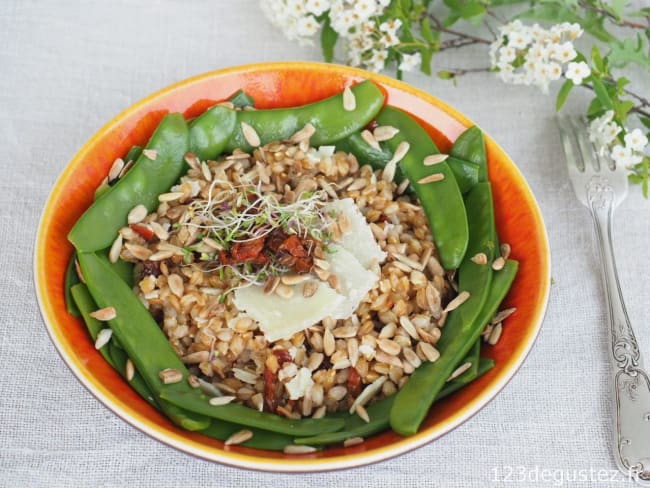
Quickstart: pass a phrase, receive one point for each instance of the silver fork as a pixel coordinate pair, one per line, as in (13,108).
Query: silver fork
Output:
(601,187)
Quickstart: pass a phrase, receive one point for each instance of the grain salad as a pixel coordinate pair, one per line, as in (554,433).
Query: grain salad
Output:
(332,365)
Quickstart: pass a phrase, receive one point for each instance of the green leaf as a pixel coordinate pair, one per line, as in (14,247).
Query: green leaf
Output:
(557,12)
(628,51)
(427,56)
(328,38)
(597,59)
(446,75)
(466,9)
(563,94)
(601,92)
(622,108)
(595,109)
(428,34)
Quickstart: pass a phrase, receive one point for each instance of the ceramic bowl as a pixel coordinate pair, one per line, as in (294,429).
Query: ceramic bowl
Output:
(519,223)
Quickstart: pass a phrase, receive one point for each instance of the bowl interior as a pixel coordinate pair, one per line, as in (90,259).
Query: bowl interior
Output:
(279,85)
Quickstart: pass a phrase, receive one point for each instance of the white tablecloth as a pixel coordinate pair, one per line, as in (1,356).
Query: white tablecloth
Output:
(66,67)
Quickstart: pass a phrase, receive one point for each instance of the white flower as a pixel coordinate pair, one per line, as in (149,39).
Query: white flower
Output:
(602,131)
(554,71)
(388,40)
(507,54)
(307,26)
(317,7)
(410,62)
(574,31)
(519,39)
(538,52)
(621,155)
(636,140)
(365,8)
(564,52)
(506,72)
(392,26)
(577,72)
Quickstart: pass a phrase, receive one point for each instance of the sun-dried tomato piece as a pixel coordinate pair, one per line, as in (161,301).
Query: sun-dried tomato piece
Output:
(224,258)
(282,355)
(242,252)
(372,125)
(143,231)
(303,265)
(275,239)
(293,245)
(354,383)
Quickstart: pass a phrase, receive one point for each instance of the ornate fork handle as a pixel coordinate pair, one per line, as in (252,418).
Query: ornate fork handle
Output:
(631,382)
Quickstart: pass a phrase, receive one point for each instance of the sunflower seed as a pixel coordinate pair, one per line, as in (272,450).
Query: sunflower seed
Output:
(408,326)
(170,375)
(192,161)
(126,168)
(245,376)
(461,298)
(495,335)
(408,261)
(430,352)
(458,371)
(129,370)
(196,357)
(329,345)
(116,249)
(103,337)
(271,284)
(194,381)
(205,171)
(431,178)
(303,134)
(222,400)
(402,186)
(435,159)
(309,289)
(361,412)
(333,281)
(349,100)
(502,315)
(116,169)
(367,136)
(479,258)
(150,153)
(321,263)
(498,263)
(140,252)
(353,441)
(250,135)
(391,167)
(284,291)
(104,314)
(170,197)
(384,132)
(389,346)
(295,449)
(294,279)
(368,393)
(505,250)
(239,437)
(80,275)
(137,214)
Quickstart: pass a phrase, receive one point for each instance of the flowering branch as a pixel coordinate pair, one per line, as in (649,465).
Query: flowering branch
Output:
(406,34)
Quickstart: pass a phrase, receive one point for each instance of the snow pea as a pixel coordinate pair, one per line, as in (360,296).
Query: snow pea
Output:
(113,355)
(461,329)
(441,200)
(133,154)
(470,146)
(209,133)
(473,357)
(148,178)
(69,281)
(262,439)
(140,336)
(196,401)
(331,121)
(241,99)
(379,413)
(465,172)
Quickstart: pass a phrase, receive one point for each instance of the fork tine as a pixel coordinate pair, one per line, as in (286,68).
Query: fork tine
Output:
(587,151)
(566,129)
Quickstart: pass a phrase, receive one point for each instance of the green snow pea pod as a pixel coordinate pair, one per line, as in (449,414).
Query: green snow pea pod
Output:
(140,336)
(195,401)
(209,133)
(241,99)
(379,414)
(470,146)
(113,355)
(473,357)
(262,439)
(133,154)
(69,281)
(330,119)
(148,178)
(465,172)
(461,329)
(441,200)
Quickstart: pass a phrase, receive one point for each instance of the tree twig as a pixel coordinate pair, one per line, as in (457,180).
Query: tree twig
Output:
(439,27)
(612,17)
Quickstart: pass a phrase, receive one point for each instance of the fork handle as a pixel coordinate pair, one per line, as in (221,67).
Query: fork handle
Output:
(631,382)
